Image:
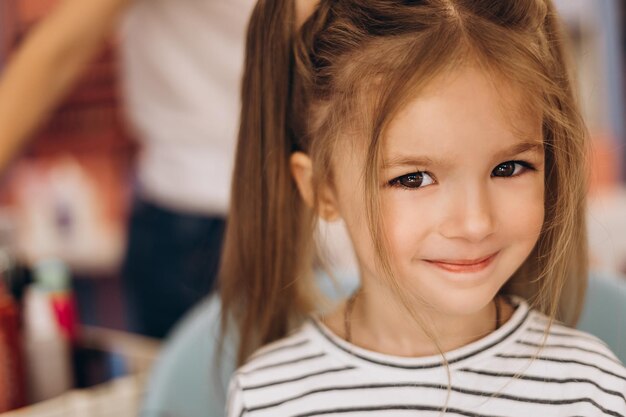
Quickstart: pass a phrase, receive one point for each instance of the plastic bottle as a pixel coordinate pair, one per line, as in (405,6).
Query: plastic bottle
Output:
(12,385)
(47,339)
(12,373)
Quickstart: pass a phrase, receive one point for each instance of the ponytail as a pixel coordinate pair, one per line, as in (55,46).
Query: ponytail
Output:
(267,245)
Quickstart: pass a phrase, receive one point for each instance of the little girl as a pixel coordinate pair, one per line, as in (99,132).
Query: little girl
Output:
(446,135)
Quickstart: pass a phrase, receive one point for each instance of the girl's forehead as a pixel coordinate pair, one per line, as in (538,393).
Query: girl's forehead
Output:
(467,104)
(466,107)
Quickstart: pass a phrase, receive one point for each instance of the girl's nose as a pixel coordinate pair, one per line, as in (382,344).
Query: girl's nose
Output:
(469,214)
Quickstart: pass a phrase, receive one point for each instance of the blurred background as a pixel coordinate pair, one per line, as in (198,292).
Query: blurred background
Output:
(68,198)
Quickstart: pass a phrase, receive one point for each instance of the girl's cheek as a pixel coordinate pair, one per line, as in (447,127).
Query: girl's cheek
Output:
(521,209)
(409,217)
(354,215)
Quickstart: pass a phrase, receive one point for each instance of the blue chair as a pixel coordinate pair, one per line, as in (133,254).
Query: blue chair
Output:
(183,384)
(183,381)
(604,313)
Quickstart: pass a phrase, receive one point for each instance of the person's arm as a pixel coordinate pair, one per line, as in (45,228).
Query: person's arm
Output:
(47,63)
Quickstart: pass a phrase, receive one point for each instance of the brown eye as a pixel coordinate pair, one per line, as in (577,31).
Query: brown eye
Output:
(510,168)
(504,170)
(412,180)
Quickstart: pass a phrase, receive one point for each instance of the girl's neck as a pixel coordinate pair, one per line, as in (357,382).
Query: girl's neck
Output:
(375,327)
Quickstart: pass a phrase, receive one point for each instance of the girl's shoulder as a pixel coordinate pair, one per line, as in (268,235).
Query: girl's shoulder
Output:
(560,336)
(293,349)
(275,368)
(566,352)
(553,360)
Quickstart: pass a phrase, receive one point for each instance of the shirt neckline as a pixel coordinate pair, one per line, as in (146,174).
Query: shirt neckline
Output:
(486,345)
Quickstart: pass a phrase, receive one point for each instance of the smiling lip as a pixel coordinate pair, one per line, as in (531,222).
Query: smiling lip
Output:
(463,265)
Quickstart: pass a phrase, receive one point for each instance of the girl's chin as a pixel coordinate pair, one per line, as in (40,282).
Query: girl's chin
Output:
(454,300)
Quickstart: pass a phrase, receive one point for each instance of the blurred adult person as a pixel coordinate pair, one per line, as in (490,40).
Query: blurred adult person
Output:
(181,62)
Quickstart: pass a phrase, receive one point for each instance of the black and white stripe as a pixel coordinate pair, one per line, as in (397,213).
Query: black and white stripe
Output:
(510,372)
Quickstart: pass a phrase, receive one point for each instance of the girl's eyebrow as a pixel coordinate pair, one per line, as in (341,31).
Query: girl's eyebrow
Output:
(535,146)
(407,160)
(424,161)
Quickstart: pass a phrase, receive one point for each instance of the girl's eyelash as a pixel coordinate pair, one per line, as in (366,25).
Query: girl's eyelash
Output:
(525,164)
(396,182)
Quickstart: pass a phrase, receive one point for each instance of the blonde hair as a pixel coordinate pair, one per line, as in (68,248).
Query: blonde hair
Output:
(304,88)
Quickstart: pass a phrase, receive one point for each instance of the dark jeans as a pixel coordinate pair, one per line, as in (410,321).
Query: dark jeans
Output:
(171,263)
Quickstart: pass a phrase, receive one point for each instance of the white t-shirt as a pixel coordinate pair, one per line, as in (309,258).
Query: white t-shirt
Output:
(313,372)
(182,61)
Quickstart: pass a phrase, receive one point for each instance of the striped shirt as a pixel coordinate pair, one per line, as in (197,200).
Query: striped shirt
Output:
(313,372)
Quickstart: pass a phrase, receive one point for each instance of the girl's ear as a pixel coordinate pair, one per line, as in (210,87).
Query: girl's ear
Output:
(302,172)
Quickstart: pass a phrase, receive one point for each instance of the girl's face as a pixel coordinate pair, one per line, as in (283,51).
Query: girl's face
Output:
(462,192)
